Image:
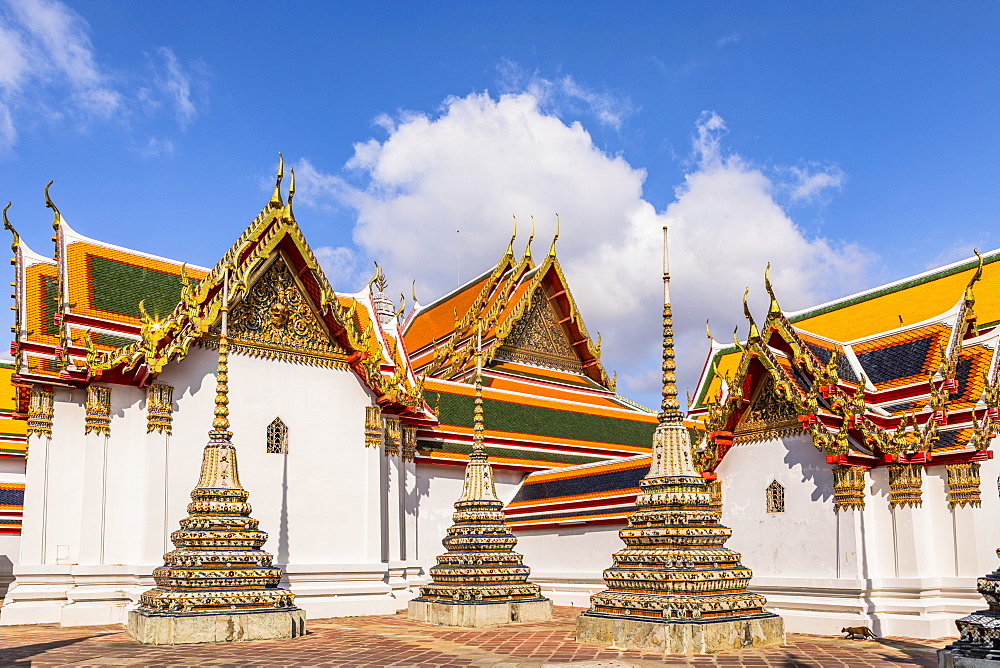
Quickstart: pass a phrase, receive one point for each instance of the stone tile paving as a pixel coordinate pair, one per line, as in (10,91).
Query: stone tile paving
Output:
(392,640)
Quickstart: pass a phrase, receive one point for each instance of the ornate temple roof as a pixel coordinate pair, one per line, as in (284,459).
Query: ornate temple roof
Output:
(100,312)
(548,400)
(906,372)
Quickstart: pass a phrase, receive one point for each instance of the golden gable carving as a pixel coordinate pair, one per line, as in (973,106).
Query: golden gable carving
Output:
(769,416)
(275,321)
(538,338)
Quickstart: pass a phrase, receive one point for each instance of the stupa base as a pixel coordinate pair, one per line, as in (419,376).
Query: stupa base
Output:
(185,629)
(477,614)
(680,636)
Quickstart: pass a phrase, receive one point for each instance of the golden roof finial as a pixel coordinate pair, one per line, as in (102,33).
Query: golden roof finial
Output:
(7,226)
(510,246)
(378,279)
(669,406)
(477,411)
(754,332)
(708,332)
(57,217)
(975,277)
(220,425)
(291,194)
(773,308)
(276,201)
(413,292)
(552,249)
(736,341)
(527,249)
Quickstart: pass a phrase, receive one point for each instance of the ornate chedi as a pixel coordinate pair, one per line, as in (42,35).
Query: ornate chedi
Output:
(979,641)
(218,584)
(480,580)
(675,587)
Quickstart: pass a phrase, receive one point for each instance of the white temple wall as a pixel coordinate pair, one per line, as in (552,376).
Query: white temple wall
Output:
(569,561)
(908,571)
(807,544)
(329,505)
(437,489)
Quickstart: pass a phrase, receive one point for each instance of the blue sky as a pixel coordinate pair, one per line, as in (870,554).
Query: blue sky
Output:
(850,144)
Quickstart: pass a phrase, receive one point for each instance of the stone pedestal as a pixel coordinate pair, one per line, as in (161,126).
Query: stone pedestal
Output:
(679,636)
(181,629)
(479,614)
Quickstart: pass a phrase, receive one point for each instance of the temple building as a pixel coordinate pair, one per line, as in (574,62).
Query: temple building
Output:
(881,490)
(336,400)
(864,428)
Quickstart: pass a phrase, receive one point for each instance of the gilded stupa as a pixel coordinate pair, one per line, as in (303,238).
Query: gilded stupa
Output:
(676,588)
(218,585)
(480,580)
(979,633)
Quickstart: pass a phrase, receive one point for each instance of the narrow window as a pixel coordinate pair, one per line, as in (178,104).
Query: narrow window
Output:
(277,437)
(775,497)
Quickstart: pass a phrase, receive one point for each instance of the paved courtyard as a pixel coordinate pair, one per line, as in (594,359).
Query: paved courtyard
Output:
(392,640)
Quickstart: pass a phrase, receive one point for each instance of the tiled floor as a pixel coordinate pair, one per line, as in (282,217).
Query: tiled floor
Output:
(382,641)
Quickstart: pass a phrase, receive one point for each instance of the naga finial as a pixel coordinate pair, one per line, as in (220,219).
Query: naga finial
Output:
(773,308)
(413,292)
(57,217)
(402,305)
(527,249)
(7,226)
(552,249)
(378,279)
(754,332)
(510,246)
(708,332)
(276,201)
(975,277)
(291,194)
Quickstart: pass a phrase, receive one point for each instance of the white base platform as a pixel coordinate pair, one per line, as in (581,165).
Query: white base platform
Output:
(479,614)
(159,629)
(679,637)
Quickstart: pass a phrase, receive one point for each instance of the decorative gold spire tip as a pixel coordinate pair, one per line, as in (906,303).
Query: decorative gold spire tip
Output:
(276,201)
(552,249)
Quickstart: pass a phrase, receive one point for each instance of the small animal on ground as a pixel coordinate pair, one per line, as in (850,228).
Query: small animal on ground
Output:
(858,632)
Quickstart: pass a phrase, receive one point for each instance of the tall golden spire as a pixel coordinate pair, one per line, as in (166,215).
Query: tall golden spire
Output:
(669,407)
(220,425)
(477,411)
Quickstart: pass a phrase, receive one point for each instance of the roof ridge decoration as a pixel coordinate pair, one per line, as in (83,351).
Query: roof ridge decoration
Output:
(453,354)
(273,230)
(903,283)
(63,360)
(838,415)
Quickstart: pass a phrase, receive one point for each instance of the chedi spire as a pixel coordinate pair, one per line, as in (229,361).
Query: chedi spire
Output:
(217,585)
(480,580)
(675,587)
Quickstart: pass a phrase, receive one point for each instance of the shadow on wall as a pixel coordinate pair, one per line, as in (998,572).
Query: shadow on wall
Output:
(799,451)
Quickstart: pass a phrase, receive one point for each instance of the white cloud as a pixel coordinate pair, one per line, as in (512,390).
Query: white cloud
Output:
(342,267)
(564,95)
(814,181)
(176,84)
(482,159)
(156,147)
(50,71)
